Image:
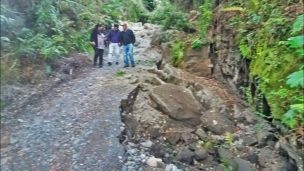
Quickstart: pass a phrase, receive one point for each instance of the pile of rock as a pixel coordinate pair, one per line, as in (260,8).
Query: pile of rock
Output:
(172,123)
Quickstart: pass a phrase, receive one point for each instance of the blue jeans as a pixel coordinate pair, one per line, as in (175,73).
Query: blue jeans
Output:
(128,54)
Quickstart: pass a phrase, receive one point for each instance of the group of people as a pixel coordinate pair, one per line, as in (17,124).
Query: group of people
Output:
(115,39)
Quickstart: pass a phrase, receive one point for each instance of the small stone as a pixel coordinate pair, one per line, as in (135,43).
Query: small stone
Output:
(132,151)
(201,134)
(264,136)
(124,168)
(225,154)
(13,140)
(250,117)
(243,165)
(265,157)
(153,162)
(250,140)
(144,87)
(147,144)
(252,157)
(142,156)
(200,154)
(136,44)
(161,165)
(128,76)
(133,81)
(187,137)
(173,137)
(238,115)
(171,167)
(131,144)
(57,79)
(158,150)
(20,120)
(185,156)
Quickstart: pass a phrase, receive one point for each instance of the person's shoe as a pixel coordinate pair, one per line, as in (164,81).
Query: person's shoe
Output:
(109,63)
(126,66)
(117,63)
(133,65)
(100,66)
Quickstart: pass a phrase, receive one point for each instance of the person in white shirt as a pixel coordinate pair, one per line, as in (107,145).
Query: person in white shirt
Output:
(98,42)
(114,46)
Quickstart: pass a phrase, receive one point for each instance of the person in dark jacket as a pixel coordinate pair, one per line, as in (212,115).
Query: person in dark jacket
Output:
(98,42)
(114,48)
(127,39)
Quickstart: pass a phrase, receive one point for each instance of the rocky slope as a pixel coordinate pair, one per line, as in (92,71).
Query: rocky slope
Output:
(175,120)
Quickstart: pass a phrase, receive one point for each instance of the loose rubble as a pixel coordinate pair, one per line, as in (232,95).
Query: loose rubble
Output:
(180,121)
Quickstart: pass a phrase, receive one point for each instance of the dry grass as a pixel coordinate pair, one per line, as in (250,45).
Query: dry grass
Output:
(15,70)
(9,69)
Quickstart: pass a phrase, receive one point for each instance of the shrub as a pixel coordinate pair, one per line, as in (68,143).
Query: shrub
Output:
(177,53)
(196,44)
(170,17)
(205,17)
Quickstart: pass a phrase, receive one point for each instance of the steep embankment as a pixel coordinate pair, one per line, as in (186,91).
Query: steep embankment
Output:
(177,120)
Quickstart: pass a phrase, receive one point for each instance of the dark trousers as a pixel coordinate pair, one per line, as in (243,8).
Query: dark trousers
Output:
(98,54)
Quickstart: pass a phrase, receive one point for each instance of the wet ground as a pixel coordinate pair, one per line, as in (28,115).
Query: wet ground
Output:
(74,127)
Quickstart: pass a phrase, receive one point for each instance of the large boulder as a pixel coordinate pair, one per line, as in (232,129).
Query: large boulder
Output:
(177,102)
(269,160)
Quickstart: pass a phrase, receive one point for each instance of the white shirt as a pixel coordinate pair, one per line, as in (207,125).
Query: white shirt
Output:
(101,39)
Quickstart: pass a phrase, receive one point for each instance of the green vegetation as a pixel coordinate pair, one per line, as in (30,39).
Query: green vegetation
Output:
(196,44)
(207,144)
(49,29)
(248,96)
(229,139)
(274,44)
(149,4)
(120,73)
(204,21)
(226,165)
(270,36)
(169,16)
(177,53)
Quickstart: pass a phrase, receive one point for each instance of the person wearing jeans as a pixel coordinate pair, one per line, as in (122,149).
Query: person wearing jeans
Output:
(114,48)
(127,40)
